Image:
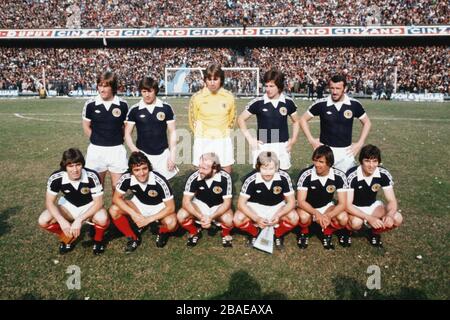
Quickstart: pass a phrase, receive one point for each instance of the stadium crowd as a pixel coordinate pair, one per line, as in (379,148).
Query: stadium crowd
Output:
(368,69)
(217,13)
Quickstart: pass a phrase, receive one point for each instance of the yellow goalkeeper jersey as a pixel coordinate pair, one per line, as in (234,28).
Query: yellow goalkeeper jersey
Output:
(212,116)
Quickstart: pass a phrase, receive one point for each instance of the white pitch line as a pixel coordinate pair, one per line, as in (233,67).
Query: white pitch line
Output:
(409,119)
(27,116)
(18,115)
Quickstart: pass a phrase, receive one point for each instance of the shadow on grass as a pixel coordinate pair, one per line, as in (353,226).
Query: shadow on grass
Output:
(349,289)
(242,286)
(4,216)
(30,296)
(177,184)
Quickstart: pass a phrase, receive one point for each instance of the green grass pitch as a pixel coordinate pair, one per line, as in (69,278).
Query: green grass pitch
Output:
(414,139)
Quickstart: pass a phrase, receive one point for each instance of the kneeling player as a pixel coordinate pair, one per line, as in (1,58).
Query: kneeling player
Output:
(316,187)
(82,201)
(152,201)
(207,199)
(364,182)
(266,199)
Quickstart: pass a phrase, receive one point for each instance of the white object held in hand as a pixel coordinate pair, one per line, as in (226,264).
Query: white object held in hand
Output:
(264,241)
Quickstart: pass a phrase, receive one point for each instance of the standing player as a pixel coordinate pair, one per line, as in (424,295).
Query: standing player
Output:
(207,200)
(266,199)
(82,201)
(152,119)
(316,187)
(103,124)
(364,182)
(272,111)
(212,114)
(336,123)
(152,201)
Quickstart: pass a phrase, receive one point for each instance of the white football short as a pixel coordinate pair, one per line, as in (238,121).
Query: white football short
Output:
(74,211)
(279,148)
(342,160)
(223,148)
(159,164)
(147,210)
(112,159)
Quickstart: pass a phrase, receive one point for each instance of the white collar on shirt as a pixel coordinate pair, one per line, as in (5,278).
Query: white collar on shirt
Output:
(360,175)
(274,102)
(75,183)
(151,180)
(217,177)
(107,104)
(322,179)
(158,103)
(259,179)
(338,105)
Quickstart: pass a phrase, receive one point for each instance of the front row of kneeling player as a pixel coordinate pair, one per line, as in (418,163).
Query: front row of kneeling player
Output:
(267,198)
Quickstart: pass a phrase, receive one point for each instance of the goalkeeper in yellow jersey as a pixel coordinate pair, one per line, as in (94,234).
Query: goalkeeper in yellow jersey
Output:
(212,114)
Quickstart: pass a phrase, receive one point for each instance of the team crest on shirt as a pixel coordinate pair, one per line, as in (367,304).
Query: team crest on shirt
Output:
(277,190)
(331,188)
(283,111)
(85,190)
(116,112)
(152,193)
(348,114)
(160,116)
(376,187)
(217,190)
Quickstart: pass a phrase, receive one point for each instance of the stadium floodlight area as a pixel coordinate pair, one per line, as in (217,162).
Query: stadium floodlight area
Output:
(188,80)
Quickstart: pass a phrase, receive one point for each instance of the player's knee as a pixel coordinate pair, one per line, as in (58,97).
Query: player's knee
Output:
(44,219)
(101,218)
(293,218)
(342,218)
(303,217)
(114,211)
(356,223)
(227,219)
(171,222)
(398,219)
(239,219)
(182,215)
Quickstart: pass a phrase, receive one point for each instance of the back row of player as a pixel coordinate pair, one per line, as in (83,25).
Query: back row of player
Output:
(211,116)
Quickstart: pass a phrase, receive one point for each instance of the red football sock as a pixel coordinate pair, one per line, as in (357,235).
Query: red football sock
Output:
(249,228)
(163,229)
(329,230)
(99,232)
(189,226)
(123,225)
(226,230)
(283,228)
(381,230)
(54,228)
(336,226)
(304,228)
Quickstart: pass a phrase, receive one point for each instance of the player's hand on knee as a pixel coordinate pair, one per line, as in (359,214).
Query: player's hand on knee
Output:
(140,221)
(275,220)
(388,221)
(375,223)
(262,223)
(75,228)
(66,228)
